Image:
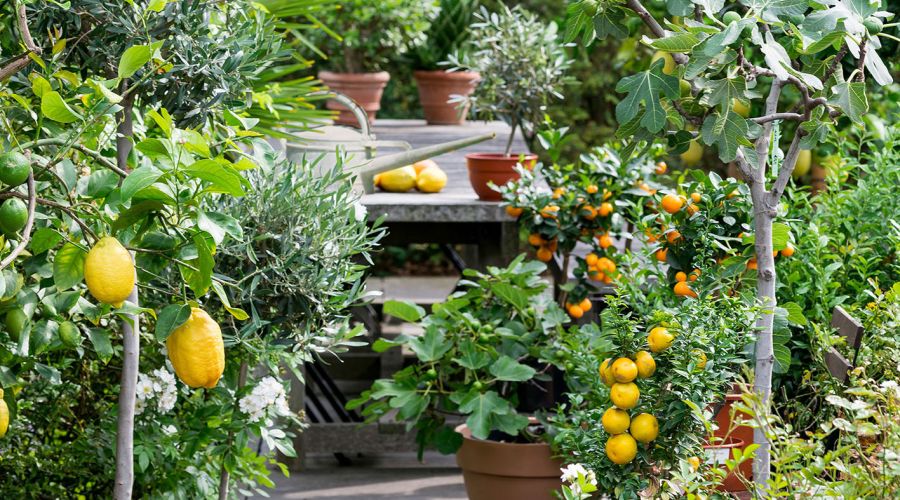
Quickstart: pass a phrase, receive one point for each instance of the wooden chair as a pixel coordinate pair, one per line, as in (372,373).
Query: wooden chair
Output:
(849,328)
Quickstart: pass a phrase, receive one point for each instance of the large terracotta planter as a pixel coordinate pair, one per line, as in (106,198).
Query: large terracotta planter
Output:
(507,471)
(364,88)
(718,453)
(494,167)
(740,437)
(435,90)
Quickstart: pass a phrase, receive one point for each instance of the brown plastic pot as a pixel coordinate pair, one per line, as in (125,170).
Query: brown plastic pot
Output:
(718,453)
(507,471)
(364,88)
(494,167)
(435,90)
(741,434)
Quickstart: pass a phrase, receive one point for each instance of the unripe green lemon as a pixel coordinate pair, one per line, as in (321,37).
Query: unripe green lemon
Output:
(69,334)
(13,215)
(15,323)
(14,168)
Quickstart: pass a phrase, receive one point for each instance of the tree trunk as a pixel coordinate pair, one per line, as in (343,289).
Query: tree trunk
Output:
(223,475)
(131,346)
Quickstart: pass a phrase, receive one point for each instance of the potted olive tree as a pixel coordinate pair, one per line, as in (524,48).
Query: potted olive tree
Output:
(438,86)
(365,34)
(522,64)
(465,393)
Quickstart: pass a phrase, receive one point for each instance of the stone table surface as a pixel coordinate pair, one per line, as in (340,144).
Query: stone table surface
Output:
(457,202)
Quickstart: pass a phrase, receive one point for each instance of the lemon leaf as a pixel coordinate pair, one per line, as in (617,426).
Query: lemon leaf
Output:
(68,266)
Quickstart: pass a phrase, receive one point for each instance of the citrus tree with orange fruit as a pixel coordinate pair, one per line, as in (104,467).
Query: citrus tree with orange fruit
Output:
(564,206)
(633,382)
(759,81)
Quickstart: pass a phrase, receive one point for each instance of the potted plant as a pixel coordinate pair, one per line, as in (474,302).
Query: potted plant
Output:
(437,86)
(465,392)
(367,33)
(636,387)
(522,65)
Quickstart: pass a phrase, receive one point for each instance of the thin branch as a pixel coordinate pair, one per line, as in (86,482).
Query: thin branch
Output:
(777,116)
(744,167)
(50,203)
(22,60)
(860,63)
(106,162)
(26,231)
(835,62)
(654,26)
(787,167)
(696,120)
(762,144)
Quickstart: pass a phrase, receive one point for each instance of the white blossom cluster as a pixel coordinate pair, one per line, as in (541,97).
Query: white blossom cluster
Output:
(159,385)
(571,474)
(266,399)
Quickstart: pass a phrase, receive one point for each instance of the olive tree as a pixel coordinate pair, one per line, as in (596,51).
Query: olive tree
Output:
(748,77)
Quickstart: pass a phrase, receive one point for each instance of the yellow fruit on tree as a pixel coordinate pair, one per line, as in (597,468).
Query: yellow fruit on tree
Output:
(694,462)
(621,449)
(740,108)
(804,162)
(624,370)
(109,271)
(197,351)
(668,61)
(4,416)
(398,180)
(431,179)
(659,339)
(700,356)
(644,428)
(615,420)
(625,396)
(646,365)
(693,155)
(606,373)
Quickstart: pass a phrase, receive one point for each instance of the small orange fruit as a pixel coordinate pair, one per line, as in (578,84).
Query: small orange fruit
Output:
(692,209)
(680,276)
(696,197)
(788,250)
(673,237)
(751,264)
(535,240)
(604,240)
(589,212)
(672,203)
(606,208)
(661,167)
(549,212)
(558,192)
(586,305)
(513,211)
(592,189)
(591,259)
(694,275)
(544,254)
(574,311)
(606,264)
(624,370)
(694,463)
(661,254)
(552,245)
(682,289)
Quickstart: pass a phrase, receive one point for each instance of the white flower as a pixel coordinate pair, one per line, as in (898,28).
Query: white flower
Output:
(144,387)
(160,384)
(571,472)
(266,399)
(359,210)
(169,430)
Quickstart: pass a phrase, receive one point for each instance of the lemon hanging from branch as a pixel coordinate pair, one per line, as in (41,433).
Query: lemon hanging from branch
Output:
(109,271)
(4,415)
(197,351)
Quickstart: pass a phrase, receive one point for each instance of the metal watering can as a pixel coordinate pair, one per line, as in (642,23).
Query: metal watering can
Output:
(334,142)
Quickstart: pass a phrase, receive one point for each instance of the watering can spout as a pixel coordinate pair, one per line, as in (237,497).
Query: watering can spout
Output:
(368,168)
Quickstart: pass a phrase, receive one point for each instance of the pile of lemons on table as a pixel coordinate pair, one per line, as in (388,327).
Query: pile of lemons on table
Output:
(620,375)
(426,176)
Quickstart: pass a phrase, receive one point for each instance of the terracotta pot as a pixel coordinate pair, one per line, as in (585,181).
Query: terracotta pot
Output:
(437,87)
(494,167)
(364,88)
(818,178)
(717,454)
(741,434)
(507,471)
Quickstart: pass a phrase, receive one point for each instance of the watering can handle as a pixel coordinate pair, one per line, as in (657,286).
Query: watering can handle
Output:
(356,109)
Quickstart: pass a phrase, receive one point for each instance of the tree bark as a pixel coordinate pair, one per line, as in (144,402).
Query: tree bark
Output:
(224,476)
(131,344)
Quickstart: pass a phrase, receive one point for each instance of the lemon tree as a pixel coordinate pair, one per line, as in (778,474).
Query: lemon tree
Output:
(636,381)
(126,348)
(767,80)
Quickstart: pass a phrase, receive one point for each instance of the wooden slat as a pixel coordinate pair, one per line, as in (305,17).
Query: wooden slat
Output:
(847,327)
(837,364)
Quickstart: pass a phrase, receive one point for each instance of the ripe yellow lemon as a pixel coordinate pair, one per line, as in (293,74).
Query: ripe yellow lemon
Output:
(646,365)
(197,351)
(624,370)
(419,166)
(4,416)
(700,356)
(621,449)
(109,271)
(625,396)
(695,462)
(431,180)
(644,428)
(615,421)
(399,180)
(659,339)
(606,373)
(693,155)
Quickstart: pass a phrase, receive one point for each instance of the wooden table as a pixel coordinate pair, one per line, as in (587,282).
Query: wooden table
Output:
(455,215)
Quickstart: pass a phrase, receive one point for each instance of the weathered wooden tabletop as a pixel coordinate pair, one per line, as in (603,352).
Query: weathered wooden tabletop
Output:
(457,202)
